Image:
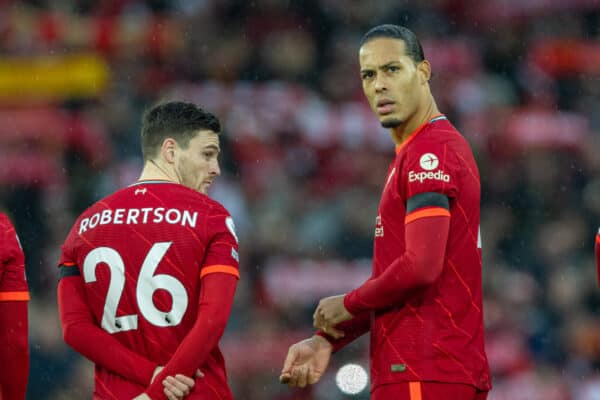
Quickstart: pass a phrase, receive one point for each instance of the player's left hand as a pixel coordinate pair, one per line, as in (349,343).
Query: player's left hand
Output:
(330,312)
(176,388)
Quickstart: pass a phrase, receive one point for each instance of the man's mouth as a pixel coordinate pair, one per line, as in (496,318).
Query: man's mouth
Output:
(385,106)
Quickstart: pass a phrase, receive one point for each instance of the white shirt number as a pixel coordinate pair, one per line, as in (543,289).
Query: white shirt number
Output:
(147,284)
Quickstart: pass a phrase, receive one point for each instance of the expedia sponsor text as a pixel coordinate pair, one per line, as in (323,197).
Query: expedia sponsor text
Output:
(438,175)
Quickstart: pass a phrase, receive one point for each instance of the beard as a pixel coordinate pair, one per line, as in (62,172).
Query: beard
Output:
(391,123)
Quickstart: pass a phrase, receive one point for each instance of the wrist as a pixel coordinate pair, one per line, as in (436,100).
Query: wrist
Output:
(322,342)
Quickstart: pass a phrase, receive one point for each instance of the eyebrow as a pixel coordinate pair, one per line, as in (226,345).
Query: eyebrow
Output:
(211,147)
(388,64)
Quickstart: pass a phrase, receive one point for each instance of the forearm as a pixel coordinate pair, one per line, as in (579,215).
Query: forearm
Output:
(104,350)
(353,329)
(82,334)
(14,352)
(419,266)
(216,300)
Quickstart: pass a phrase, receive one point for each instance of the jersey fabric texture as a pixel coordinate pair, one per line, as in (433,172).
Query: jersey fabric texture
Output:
(141,254)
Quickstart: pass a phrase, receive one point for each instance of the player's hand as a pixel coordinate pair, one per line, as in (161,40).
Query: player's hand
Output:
(142,396)
(330,312)
(177,387)
(306,362)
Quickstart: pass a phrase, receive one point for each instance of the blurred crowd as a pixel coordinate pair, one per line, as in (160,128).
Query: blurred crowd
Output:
(304,162)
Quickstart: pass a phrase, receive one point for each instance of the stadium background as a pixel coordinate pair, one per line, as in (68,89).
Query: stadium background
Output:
(304,161)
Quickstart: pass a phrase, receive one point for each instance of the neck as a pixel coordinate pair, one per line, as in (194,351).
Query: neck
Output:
(155,170)
(403,131)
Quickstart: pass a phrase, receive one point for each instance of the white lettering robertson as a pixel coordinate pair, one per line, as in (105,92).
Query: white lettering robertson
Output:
(105,217)
(131,218)
(172,216)
(169,216)
(189,218)
(438,175)
(83,225)
(94,220)
(146,211)
(158,215)
(119,216)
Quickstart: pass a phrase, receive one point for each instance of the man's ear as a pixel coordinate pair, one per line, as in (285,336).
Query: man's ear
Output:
(168,150)
(424,71)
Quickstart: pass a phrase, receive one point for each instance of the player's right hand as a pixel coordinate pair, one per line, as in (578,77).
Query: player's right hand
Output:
(306,362)
(179,386)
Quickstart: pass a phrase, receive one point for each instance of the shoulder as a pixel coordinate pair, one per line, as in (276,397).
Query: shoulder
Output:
(99,204)
(439,133)
(93,208)
(217,208)
(443,140)
(198,200)
(4,221)
(199,204)
(5,235)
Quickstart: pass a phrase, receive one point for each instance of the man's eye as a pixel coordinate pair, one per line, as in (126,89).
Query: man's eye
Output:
(368,74)
(393,69)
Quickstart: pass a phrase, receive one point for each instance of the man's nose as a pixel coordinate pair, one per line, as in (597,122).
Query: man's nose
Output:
(215,169)
(380,83)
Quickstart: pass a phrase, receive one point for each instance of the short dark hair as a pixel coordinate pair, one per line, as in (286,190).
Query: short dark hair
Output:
(176,119)
(413,46)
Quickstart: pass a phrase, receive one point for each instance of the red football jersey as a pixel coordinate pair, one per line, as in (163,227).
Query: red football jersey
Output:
(13,284)
(141,253)
(438,334)
(14,294)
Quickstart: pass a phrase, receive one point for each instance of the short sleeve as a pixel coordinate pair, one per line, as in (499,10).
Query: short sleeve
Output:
(222,250)
(13,281)
(67,262)
(430,167)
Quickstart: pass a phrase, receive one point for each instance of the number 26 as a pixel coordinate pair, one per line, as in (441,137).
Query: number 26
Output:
(147,284)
